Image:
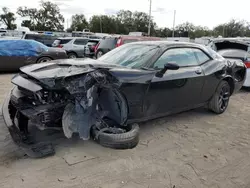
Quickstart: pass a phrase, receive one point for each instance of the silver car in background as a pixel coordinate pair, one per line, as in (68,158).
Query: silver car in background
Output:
(76,47)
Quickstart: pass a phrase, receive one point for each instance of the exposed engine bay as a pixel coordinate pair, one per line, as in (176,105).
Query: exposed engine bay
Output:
(73,103)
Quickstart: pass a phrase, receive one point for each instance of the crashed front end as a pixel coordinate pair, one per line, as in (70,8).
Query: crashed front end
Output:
(73,102)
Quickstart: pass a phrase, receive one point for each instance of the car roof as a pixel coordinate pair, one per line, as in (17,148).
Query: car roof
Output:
(66,38)
(130,37)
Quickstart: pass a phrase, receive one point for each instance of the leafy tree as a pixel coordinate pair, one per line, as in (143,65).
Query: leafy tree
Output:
(126,20)
(164,32)
(140,22)
(27,23)
(200,31)
(103,23)
(69,30)
(8,18)
(79,22)
(33,15)
(47,18)
(232,29)
(185,30)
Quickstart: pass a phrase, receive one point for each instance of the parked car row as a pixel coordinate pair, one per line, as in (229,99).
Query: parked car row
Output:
(110,43)
(77,47)
(35,48)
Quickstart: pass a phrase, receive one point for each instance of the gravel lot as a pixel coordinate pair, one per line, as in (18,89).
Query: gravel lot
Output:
(191,149)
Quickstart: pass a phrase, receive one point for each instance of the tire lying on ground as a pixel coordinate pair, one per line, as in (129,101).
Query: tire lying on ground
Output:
(127,140)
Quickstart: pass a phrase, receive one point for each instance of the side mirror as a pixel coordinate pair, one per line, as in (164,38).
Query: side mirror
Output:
(167,66)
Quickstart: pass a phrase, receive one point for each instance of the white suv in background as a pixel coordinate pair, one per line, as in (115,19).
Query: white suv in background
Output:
(76,47)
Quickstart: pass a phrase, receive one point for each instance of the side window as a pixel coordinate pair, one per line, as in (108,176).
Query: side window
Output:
(81,41)
(181,56)
(202,57)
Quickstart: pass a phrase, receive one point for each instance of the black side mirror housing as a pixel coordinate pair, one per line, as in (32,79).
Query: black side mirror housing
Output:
(167,66)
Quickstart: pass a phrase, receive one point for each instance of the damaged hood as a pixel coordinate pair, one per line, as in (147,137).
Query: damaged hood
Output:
(64,68)
(50,72)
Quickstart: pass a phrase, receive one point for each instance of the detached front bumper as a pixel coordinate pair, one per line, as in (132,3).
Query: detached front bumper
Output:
(32,149)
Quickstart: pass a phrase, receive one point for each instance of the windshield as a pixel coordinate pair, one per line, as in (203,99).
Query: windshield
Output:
(130,55)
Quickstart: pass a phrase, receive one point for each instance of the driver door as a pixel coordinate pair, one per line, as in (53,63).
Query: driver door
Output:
(178,89)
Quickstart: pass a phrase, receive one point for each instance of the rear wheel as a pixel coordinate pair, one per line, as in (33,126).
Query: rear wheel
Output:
(218,104)
(43,59)
(99,54)
(72,55)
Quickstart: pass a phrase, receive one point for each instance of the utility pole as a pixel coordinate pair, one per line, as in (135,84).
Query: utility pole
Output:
(223,34)
(149,20)
(100,24)
(174,23)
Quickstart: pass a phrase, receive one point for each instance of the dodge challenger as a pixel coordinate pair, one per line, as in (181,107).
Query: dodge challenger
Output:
(107,97)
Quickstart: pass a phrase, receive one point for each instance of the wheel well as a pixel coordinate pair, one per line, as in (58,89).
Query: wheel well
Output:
(43,57)
(231,84)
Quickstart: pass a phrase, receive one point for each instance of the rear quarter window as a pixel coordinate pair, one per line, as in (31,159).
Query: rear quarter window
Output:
(64,41)
(202,57)
(81,41)
(108,43)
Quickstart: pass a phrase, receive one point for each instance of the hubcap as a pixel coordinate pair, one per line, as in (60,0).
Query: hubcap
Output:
(224,98)
(99,54)
(72,56)
(45,60)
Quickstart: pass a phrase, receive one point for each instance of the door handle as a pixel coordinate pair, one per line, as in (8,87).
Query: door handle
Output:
(198,71)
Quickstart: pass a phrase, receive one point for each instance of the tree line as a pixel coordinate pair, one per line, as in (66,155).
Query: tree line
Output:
(48,18)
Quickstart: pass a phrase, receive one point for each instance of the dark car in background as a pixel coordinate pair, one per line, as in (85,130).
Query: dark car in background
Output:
(42,38)
(106,97)
(17,53)
(76,47)
(234,49)
(110,43)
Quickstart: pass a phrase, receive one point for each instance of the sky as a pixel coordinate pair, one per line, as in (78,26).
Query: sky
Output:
(199,12)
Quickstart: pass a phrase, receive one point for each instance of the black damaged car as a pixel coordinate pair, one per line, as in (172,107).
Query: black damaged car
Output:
(105,98)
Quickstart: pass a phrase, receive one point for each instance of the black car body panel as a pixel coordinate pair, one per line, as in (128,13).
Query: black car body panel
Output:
(100,89)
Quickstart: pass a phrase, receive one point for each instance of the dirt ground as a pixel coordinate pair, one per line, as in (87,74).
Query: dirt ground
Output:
(191,149)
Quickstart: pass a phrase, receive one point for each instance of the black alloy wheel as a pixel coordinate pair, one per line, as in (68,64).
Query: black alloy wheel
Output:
(220,100)
(224,97)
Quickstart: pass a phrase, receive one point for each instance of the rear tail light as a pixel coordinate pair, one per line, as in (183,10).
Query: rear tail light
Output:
(96,47)
(93,47)
(247,63)
(119,42)
(60,46)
